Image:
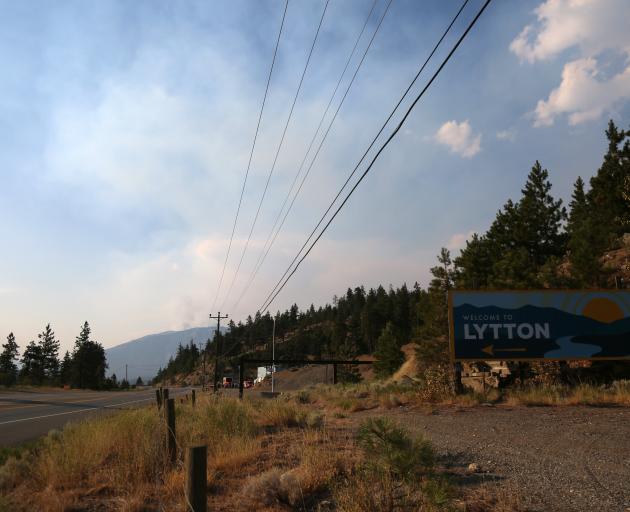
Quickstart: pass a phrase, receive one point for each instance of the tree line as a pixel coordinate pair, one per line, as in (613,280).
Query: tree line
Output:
(40,364)
(187,358)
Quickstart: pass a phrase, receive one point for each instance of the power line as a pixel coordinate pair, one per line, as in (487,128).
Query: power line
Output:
(251,154)
(267,247)
(437,45)
(262,198)
(271,298)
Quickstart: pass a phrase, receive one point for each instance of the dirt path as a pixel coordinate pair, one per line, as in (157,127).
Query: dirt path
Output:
(559,458)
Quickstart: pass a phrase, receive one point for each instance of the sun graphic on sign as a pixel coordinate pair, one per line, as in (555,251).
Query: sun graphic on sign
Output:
(603,310)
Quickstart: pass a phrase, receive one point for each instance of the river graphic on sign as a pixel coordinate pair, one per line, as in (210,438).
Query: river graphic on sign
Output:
(540,325)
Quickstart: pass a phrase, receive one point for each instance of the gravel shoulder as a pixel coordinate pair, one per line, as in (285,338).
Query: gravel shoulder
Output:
(558,458)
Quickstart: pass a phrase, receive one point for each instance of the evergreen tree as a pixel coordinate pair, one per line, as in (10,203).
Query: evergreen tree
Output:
(433,307)
(88,361)
(139,382)
(521,242)
(610,187)
(8,359)
(32,370)
(528,234)
(65,369)
(474,264)
(388,353)
(586,241)
(578,207)
(49,347)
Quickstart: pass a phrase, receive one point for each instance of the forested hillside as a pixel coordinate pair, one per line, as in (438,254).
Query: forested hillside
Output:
(534,242)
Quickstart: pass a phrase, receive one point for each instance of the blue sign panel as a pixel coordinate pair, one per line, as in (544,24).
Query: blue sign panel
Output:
(539,325)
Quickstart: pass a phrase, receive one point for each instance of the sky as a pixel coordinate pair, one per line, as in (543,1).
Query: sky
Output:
(126,127)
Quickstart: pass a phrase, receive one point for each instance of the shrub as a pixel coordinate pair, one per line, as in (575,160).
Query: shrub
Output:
(262,490)
(390,446)
(314,419)
(438,490)
(303,397)
(390,401)
(12,471)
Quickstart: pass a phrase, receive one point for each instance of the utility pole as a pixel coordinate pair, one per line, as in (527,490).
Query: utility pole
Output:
(273,353)
(126,374)
(203,386)
(217,333)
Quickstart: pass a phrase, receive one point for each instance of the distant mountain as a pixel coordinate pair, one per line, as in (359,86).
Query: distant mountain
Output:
(144,356)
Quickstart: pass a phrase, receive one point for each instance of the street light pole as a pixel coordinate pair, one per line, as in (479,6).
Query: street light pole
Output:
(273,353)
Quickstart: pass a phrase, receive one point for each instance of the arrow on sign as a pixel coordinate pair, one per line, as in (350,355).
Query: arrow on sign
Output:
(490,350)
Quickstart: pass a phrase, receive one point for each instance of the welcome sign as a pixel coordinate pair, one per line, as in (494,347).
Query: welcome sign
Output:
(553,325)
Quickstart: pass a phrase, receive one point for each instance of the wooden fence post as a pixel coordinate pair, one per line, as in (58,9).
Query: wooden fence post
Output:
(457,378)
(170,430)
(334,374)
(193,398)
(196,478)
(158,399)
(241,378)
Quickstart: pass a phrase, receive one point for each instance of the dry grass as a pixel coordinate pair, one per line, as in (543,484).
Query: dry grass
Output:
(119,462)
(126,449)
(490,497)
(363,396)
(583,394)
(262,490)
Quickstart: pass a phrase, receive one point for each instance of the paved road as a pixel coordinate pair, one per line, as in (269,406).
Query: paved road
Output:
(26,415)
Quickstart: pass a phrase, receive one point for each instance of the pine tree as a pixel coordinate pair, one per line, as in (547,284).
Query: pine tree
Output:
(32,370)
(8,359)
(433,307)
(610,187)
(65,369)
(88,361)
(388,354)
(50,353)
(586,242)
(523,239)
(474,264)
(139,382)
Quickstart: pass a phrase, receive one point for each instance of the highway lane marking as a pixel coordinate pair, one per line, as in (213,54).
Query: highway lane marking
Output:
(52,402)
(75,412)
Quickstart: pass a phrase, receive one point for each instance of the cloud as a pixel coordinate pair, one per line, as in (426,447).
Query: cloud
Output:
(509,134)
(460,138)
(598,30)
(458,240)
(592,25)
(582,95)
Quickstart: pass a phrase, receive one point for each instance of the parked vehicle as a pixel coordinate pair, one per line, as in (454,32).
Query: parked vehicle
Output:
(227,382)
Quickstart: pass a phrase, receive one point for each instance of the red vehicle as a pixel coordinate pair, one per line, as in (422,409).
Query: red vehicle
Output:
(248,383)
(227,382)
